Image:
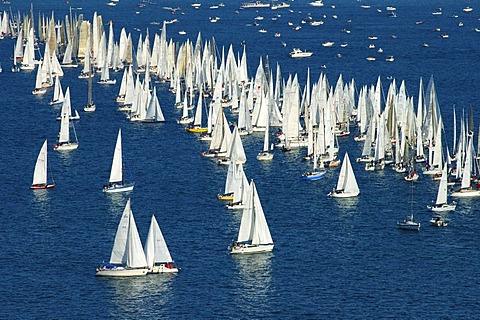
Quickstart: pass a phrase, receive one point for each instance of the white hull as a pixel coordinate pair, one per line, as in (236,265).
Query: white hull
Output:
(66,147)
(107,81)
(162,269)
(121,272)
(90,108)
(466,193)
(265,156)
(249,249)
(341,194)
(118,188)
(443,207)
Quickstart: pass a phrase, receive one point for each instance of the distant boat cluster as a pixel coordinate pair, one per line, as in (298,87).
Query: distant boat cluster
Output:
(211,91)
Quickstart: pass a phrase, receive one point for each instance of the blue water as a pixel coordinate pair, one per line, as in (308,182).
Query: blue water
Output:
(332,259)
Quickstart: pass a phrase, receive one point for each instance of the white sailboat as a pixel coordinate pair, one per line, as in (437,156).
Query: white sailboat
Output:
(40,174)
(347,184)
(58,96)
(157,254)
(90,106)
(64,143)
(105,75)
(67,108)
(116,183)
(127,258)
(441,204)
(154,111)
(265,155)
(254,235)
(466,190)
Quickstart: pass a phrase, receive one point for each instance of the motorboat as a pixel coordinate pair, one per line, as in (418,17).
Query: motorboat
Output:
(297,53)
(439,221)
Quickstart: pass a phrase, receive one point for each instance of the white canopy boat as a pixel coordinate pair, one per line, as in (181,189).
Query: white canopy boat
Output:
(127,258)
(116,183)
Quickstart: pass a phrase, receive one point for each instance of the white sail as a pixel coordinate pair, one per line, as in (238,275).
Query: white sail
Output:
(64,135)
(442,188)
(253,226)
(347,184)
(156,249)
(127,248)
(116,173)
(40,172)
(154,110)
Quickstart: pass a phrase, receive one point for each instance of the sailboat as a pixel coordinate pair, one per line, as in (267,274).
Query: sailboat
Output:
(347,184)
(265,155)
(316,173)
(197,122)
(90,106)
(466,190)
(116,182)
(441,204)
(58,96)
(154,111)
(157,254)
(64,143)
(67,108)
(127,258)
(408,223)
(254,235)
(105,75)
(41,171)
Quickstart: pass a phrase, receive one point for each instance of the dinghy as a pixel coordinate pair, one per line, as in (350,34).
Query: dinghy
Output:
(40,173)
(127,258)
(116,183)
(157,254)
(254,235)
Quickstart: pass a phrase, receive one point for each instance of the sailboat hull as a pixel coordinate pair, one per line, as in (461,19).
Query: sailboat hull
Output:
(121,272)
(162,269)
(250,249)
(118,188)
(66,147)
(466,193)
(196,129)
(443,207)
(341,194)
(42,186)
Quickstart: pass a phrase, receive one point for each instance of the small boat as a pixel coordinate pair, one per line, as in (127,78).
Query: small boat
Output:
(256,4)
(127,258)
(327,43)
(467,9)
(444,35)
(408,224)
(280,6)
(316,3)
(412,176)
(253,235)
(439,221)
(182,32)
(157,254)
(371,58)
(265,155)
(390,59)
(116,182)
(297,53)
(40,173)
